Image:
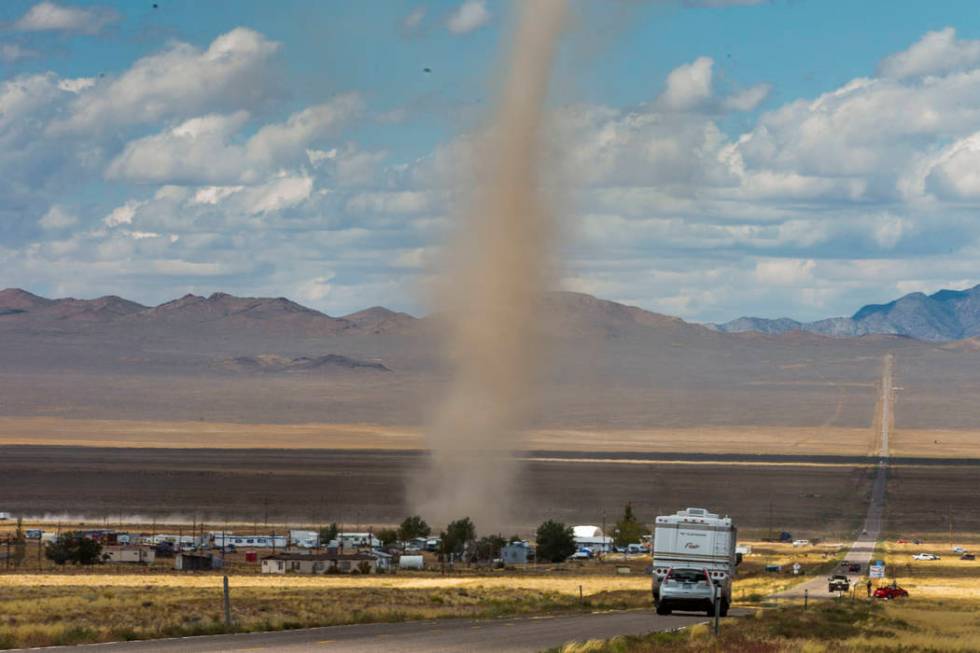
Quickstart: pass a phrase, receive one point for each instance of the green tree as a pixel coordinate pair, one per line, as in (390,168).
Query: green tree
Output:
(457,535)
(328,533)
(488,547)
(73,547)
(388,536)
(413,527)
(555,541)
(628,529)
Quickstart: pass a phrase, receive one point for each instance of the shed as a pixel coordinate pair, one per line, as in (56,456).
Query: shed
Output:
(197,562)
(515,553)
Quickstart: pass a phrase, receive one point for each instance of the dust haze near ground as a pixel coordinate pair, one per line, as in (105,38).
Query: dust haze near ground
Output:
(499,264)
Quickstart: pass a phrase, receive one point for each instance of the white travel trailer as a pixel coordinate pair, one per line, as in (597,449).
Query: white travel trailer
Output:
(304,539)
(693,560)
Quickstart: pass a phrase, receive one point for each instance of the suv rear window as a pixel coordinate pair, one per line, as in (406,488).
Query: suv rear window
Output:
(688,576)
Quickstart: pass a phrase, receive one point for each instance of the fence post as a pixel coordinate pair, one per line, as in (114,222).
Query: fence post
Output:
(227,604)
(806,598)
(717,608)
(581,598)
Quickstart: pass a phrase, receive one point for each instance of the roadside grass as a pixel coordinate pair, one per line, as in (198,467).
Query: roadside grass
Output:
(69,614)
(827,626)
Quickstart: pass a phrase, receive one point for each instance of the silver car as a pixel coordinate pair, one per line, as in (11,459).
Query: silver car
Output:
(687,589)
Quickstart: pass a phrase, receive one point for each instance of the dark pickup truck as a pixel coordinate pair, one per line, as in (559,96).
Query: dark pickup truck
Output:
(838,583)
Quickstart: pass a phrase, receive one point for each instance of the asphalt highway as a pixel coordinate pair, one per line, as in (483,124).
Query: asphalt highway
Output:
(524,635)
(863,547)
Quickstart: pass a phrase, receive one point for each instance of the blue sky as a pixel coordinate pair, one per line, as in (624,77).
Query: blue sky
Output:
(719,158)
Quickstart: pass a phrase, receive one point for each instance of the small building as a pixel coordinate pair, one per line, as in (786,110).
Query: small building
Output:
(515,553)
(592,538)
(198,562)
(129,554)
(322,563)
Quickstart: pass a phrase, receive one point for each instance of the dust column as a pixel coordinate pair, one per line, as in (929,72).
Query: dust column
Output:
(499,264)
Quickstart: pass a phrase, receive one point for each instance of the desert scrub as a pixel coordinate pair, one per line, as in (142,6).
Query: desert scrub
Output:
(67,614)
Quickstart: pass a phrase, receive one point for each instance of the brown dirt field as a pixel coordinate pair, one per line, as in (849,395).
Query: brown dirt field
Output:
(189,435)
(368,487)
(927,499)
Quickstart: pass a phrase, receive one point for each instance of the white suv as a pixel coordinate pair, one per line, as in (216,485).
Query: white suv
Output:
(688,589)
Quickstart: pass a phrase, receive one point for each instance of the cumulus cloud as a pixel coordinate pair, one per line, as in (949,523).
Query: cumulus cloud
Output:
(470,15)
(202,150)
(747,99)
(48,16)
(123,214)
(688,86)
(181,81)
(936,53)
(821,202)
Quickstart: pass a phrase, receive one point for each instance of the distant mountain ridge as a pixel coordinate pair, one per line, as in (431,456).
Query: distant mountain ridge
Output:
(942,316)
(215,312)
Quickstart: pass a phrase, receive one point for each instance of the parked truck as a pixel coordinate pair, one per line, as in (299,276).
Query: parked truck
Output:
(694,561)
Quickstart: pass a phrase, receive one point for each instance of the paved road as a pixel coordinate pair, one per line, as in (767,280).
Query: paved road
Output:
(862,548)
(525,635)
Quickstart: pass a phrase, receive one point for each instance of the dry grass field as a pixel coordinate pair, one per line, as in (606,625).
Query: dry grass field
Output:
(783,440)
(107,603)
(44,615)
(935,443)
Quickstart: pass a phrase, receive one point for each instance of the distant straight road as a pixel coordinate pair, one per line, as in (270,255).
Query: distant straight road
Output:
(863,547)
(524,635)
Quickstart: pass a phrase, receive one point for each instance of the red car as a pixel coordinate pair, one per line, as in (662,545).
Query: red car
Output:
(888,593)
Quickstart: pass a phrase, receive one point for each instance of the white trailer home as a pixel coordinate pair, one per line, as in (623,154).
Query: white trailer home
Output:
(255,541)
(322,563)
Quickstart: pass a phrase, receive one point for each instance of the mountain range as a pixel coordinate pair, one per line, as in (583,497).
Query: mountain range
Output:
(942,316)
(219,311)
(601,364)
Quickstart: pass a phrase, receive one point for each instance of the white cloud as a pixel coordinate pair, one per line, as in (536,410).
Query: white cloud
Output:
(202,149)
(748,99)
(469,16)
(276,195)
(181,81)
(57,218)
(316,289)
(689,85)
(76,85)
(936,53)
(48,16)
(123,214)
